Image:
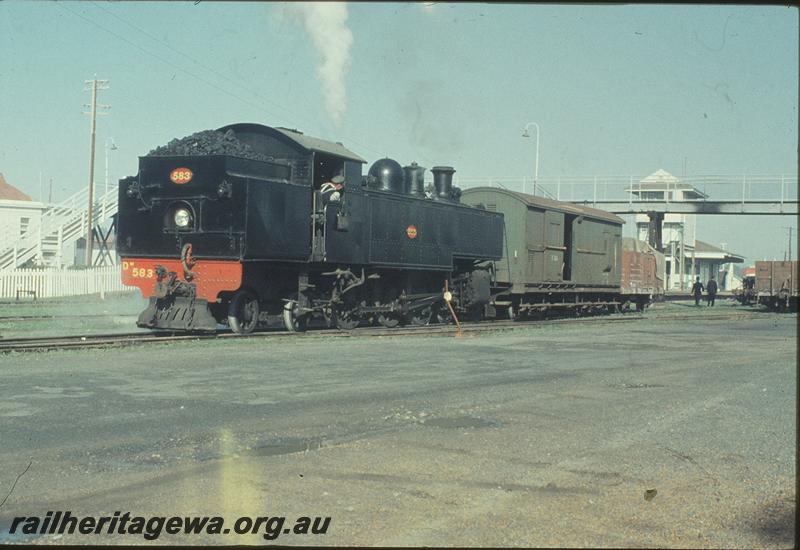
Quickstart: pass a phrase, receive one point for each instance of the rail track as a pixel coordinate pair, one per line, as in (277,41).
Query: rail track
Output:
(53,317)
(138,338)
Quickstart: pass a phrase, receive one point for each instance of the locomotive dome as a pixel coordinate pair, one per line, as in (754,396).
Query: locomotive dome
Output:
(386,175)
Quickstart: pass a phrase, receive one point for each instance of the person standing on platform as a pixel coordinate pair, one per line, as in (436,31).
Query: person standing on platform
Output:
(711,290)
(697,290)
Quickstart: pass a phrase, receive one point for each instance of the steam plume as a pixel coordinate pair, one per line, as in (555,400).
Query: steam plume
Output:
(326,25)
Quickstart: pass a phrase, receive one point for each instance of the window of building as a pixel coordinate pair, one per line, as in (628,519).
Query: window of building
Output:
(23,225)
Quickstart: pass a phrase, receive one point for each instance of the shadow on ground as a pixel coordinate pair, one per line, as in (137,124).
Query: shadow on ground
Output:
(775,525)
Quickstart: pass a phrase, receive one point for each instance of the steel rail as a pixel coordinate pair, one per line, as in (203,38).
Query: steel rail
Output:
(134,338)
(9,318)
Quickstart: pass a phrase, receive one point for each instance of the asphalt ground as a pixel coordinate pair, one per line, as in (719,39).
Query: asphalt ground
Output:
(652,433)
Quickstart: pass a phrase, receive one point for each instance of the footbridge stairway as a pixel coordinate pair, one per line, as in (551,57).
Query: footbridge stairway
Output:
(60,225)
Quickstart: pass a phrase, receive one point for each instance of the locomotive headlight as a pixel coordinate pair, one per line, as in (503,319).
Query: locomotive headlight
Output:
(183,218)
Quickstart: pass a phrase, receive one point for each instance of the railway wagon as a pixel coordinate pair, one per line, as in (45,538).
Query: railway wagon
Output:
(643,273)
(776,284)
(746,295)
(556,255)
(216,238)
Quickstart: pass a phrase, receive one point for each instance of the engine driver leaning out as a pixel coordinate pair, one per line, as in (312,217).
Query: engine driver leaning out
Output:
(332,190)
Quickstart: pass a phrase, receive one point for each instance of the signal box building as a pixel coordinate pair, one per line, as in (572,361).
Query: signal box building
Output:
(686,257)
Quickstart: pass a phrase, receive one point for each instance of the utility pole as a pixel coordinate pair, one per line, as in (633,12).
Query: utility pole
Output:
(694,246)
(683,252)
(93,85)
(790,228)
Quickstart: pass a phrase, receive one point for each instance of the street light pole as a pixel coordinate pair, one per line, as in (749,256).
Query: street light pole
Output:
(105,194)
(112,148)
(536,170)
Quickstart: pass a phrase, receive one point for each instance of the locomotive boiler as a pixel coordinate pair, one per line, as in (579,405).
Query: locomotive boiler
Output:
(233,236)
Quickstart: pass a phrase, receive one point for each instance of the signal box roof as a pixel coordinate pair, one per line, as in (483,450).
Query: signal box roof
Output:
(308,143)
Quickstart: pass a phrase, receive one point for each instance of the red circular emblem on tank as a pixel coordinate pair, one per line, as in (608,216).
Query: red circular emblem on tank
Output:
(411,231)
(181,175)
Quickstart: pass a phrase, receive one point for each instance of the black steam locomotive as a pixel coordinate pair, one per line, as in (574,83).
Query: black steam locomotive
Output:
(215,237)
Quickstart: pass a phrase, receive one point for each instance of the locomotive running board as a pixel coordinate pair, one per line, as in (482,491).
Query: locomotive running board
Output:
(177,313)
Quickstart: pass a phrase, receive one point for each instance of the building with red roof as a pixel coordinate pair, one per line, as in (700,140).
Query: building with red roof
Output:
(19,213)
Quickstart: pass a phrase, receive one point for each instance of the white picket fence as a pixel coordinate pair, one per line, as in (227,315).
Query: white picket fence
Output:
(52,283)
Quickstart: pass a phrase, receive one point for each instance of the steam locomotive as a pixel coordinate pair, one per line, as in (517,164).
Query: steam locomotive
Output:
(217,238)
(241,233)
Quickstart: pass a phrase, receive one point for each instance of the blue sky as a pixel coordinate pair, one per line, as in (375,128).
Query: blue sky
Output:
(615,89)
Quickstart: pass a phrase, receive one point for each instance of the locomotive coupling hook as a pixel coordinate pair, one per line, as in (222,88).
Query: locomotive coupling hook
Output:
(187,261)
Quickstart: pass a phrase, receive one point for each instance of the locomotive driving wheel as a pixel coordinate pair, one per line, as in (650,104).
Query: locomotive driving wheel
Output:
(243,312)
(420,317)
(442,315)
(345,319)
(345,315)
(513,312)
(293,321)
(388,320)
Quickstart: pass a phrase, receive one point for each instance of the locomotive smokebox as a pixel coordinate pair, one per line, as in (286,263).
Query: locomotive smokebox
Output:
(386,175)
(415,180)
(443,182)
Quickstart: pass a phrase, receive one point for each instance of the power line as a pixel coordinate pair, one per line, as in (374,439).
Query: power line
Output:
(193,60)
(213,85)
(201,79)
